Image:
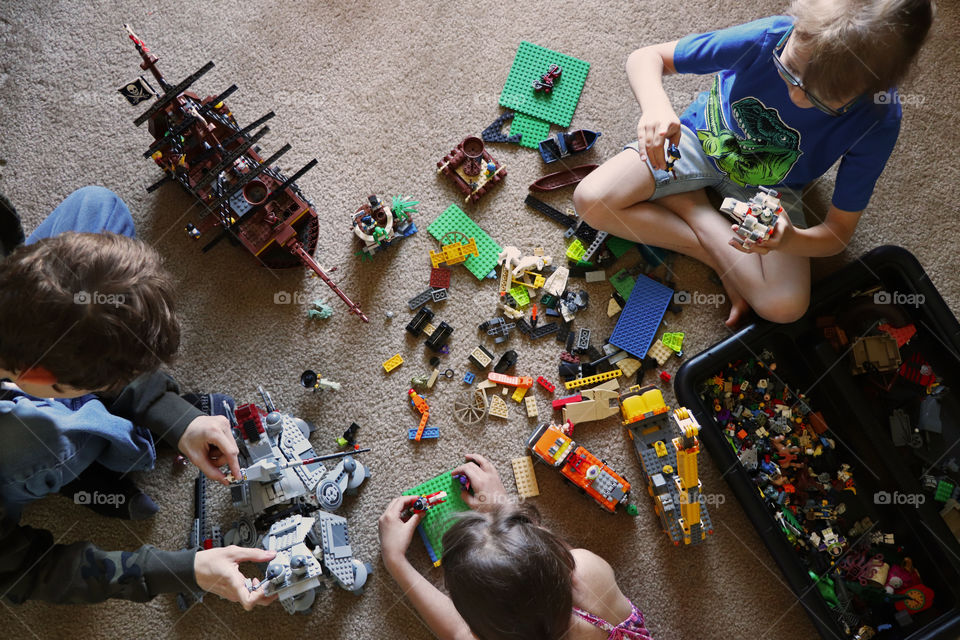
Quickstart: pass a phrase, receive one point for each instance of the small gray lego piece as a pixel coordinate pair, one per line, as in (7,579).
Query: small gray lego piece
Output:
(420,299)
(438,295)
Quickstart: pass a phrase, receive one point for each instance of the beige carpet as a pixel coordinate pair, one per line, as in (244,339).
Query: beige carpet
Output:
(379,91)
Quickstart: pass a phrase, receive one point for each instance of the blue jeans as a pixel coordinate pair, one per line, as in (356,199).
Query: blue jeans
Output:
(48,443)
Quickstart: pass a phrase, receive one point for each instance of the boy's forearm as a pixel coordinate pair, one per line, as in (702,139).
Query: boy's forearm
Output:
(434,606)
(645,71)
(820,241)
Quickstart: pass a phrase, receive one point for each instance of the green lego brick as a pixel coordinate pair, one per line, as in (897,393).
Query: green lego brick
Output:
(673,340)
(576,250)
(438,518)
(619,246)
(520,295)
(623,282)
(532,130)
(944,491)
(454,219)
(556,107)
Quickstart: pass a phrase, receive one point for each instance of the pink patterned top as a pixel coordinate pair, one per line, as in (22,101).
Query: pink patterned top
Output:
(633,628)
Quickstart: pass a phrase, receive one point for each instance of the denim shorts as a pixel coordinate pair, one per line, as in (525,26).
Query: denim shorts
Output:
(695,170)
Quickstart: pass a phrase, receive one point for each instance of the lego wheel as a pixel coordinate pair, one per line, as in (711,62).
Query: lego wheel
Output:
(329,495)
(243,533)
(471,410)
(453,236)
(361,573)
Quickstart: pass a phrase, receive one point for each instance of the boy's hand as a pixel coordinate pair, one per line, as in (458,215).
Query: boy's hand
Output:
(782,233)
(655,129)
(208,443)
(488,490)
(395,534)
(217,571)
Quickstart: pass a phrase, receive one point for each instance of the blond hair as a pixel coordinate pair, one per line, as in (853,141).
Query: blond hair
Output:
(860,45)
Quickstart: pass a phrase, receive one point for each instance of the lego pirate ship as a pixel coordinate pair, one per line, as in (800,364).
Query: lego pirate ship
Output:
(242,197)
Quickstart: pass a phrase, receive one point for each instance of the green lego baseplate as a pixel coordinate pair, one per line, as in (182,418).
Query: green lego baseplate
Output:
(619,246)
(556,107)
(454,219)
(532,130)
(438,518)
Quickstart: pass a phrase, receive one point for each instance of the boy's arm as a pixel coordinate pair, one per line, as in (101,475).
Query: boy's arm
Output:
(825,239)
(152,401)
(659,122)
(33,567)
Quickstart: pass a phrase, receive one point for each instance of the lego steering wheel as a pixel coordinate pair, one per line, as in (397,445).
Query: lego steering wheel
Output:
(471,410)
(453,236)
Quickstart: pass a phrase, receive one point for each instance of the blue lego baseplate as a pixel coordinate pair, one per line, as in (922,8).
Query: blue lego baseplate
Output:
(641,318)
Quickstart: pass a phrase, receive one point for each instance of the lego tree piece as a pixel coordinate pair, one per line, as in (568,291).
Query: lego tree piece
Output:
(673,340)
(392,363)
(525,477)
(440,278)
(560,179)
(438,519)
(590,380)
(454,219)
(530,129)
(498,408)
(494,132)
(640,319)
(471,168)
(531,406)
(556,107)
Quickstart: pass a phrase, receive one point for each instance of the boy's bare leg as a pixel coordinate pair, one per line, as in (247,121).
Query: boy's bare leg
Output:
(613,199)
(776,285)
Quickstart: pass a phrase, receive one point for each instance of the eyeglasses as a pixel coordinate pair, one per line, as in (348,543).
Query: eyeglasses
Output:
(793,80)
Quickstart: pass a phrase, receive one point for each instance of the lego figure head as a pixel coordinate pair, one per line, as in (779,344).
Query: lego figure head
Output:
(840,52)
(508,576)
(84,312)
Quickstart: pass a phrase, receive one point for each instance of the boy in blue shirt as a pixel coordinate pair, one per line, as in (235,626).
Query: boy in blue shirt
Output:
(792,95)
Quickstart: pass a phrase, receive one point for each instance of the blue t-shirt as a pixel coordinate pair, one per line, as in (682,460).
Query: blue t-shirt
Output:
(753,132)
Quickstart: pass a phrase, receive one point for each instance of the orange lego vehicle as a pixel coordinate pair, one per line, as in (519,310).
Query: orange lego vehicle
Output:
(579,466)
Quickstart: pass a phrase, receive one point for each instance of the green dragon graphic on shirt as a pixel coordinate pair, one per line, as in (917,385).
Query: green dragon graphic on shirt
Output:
(765,156)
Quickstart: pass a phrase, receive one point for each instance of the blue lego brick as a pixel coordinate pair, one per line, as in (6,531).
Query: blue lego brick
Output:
(468,377)
(641,318)
(426,542)
(454,219)
(429,433)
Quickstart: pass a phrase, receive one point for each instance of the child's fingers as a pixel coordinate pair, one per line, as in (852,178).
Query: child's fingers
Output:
(470,469)
(481,461)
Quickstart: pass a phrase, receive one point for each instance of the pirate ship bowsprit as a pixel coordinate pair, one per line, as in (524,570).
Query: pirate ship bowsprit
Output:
(199,144)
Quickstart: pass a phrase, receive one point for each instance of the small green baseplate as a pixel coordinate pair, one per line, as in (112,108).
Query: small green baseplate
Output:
(438,518)
(556,107)
(454,219)
(533,130)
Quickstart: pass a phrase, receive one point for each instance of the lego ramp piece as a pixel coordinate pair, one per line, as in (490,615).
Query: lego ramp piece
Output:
(454,219)
(523,473)
(531,130)
(640,319)
(556,107)
(337,553)
(438,518)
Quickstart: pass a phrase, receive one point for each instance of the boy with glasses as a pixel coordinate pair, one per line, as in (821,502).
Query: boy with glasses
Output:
(791,95)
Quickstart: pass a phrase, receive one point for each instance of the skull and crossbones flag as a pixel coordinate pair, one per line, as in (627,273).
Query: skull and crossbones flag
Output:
(137,91)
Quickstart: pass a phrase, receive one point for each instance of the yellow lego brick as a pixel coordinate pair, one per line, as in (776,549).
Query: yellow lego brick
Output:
(428,329)
(520,294)
(504,279)
(660,352)
(576,250)
(525,477)
(613,308)
(392,363)
(591,380)
(518,394)
(531,405)
(660,448)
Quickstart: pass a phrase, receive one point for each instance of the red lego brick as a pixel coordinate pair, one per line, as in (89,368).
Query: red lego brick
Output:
(546,384)
(440,278)
(559,402)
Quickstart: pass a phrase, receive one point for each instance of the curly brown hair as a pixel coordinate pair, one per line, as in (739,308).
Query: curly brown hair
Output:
(93,309)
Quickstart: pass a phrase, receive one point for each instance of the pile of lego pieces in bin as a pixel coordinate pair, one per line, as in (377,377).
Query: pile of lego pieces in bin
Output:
(867,580)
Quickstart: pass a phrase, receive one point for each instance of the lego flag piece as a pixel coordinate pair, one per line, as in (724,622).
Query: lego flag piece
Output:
(640,319)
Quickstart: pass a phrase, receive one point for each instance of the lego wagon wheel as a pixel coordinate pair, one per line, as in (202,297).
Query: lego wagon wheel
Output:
(470,408)
(454,236)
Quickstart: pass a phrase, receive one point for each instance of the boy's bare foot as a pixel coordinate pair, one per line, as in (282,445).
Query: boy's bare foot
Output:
(738,309)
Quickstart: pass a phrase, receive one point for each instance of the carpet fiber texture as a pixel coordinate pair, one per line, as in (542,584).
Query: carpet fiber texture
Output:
(378,92)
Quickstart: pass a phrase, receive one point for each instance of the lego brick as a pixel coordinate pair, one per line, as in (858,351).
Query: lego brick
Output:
(596,276)
(454,219)
(546,384)
(582,340)
(575,251)
(640,319)
(556,107)
(613,308)
(429,433)
(555,215)
(590,380)
(544,330)
(673,340)
(494,132)
(498,408)
(392,363)
(481,357)
(530,129)
(561,402)
(518,394)
(629,366)
(437,519)
(531,405)
(525,477)
(420,299)
(659,352)
(438,295)
(440,278)
(520,295)
(623,283)
(469,377)
(619,246)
